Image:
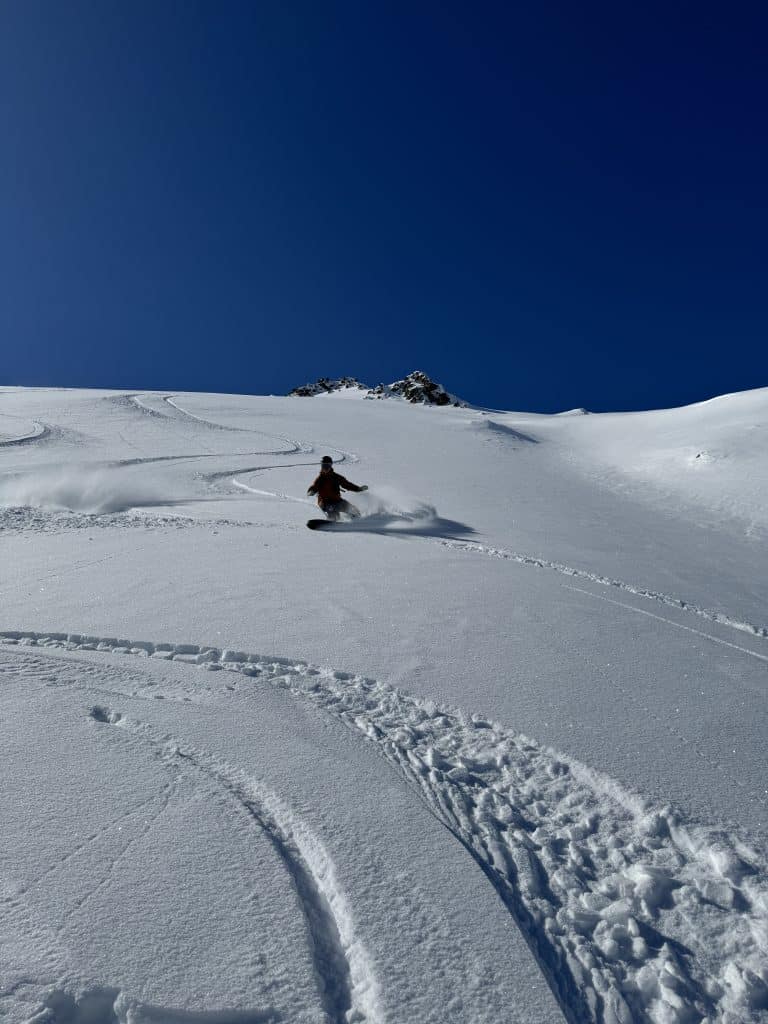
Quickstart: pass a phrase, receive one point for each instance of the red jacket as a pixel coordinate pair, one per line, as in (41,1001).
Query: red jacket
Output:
(328,487)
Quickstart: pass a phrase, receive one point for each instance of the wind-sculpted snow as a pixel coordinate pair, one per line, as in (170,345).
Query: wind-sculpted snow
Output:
(501,432)
(634,914)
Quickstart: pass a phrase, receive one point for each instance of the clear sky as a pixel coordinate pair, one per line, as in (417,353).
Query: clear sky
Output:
(542,205)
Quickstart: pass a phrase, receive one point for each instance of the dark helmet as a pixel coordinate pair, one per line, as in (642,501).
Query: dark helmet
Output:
(326,461)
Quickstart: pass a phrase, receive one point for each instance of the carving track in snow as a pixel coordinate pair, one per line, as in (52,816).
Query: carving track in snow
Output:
(632,914)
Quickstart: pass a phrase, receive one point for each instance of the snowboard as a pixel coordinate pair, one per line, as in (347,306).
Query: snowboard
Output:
(321,524)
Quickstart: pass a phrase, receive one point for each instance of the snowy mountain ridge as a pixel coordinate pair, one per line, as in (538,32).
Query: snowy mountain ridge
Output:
(416,387)
(326,386)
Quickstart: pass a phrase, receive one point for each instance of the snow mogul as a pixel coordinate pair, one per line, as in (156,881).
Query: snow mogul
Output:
(328,487)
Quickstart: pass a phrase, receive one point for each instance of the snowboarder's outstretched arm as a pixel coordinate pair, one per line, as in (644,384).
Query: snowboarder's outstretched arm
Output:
(347,485)
(314,486)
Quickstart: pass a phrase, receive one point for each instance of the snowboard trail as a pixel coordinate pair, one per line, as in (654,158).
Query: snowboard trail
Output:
(652,595)
(633,914)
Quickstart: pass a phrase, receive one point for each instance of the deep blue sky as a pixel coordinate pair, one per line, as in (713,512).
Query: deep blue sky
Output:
(542,205)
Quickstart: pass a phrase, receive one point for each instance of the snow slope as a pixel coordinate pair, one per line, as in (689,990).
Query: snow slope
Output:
(494,752)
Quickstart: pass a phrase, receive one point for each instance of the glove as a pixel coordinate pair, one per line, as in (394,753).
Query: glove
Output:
(364,487)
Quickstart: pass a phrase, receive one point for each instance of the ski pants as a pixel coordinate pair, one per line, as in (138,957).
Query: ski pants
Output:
(336,509)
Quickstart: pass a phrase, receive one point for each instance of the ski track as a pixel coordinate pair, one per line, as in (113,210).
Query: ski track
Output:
(114,861)
(170,400)
(347,986)
(147,405)
(180,415)
(271,494)
(213,477)
(135,403)
(296,447)
(346,982)
(643,706)
(195,456)
(224,473)
(474,547)
(669,622)
(210,424)
(606,581)
(633,914)
(38,433)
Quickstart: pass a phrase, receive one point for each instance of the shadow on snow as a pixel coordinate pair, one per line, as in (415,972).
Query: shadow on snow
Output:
(399,525)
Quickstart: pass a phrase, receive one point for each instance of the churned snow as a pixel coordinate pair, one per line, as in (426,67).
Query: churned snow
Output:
(495,751)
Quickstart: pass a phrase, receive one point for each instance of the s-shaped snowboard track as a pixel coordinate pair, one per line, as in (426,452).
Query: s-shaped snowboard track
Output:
(167,407)
(632,913)
(298,447)
(295,446)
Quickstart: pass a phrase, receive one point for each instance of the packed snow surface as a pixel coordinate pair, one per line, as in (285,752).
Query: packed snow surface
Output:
(494,751)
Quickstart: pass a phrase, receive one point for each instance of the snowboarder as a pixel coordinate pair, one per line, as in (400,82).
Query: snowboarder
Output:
(328,487)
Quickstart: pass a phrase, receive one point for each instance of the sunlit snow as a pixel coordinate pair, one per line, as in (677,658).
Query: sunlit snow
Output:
(493,752)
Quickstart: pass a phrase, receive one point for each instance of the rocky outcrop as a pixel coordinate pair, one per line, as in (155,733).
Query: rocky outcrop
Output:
(417,388)
(324,385)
